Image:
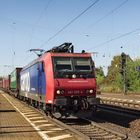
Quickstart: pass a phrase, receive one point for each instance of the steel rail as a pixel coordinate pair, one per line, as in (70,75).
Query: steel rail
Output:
(133,104)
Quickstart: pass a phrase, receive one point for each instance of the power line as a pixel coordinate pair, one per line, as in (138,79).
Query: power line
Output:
(109,13)
(69,23)
(41,14)
(37,21)
(115,38)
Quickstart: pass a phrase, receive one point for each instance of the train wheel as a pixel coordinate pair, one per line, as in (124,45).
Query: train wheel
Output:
(56,115)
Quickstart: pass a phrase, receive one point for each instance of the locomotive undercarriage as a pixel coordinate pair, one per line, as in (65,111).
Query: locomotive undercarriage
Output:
(65,106)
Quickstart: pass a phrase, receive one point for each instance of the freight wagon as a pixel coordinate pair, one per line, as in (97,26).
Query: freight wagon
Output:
(14,79)
(4,83)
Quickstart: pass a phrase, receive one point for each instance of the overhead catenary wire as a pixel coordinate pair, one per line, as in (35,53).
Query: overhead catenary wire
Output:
(42,12)
(37,21)
(115,38)
(109,13)
(69,23)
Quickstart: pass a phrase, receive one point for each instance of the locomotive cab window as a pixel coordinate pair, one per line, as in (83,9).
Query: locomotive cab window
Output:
(62,64)
(82,64)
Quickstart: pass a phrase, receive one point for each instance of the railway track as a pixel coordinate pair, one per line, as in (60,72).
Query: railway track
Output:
(70,128)
(93,130)
(120,110)
(130,104)
(90,130)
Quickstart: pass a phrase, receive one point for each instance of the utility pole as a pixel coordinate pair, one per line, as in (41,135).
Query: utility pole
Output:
(123,71)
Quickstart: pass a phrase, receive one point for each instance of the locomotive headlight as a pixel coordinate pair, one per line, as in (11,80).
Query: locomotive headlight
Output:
(91,91)
(58,92)
(73,76)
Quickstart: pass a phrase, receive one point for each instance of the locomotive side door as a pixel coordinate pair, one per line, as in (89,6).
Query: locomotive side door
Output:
(41,82)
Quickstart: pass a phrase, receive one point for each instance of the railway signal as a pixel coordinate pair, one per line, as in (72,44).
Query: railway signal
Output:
(123,71)
(123,60)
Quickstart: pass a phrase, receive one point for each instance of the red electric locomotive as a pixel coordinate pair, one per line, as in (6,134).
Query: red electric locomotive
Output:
(60,81)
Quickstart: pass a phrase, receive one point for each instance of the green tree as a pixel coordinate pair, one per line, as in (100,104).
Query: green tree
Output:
(99,75)
(113,75)
(114,79)
(133,76)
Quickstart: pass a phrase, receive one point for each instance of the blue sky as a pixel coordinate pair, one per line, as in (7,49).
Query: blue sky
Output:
(26,24)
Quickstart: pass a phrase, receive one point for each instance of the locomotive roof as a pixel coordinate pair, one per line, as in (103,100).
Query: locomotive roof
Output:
(72,54)
(41,58)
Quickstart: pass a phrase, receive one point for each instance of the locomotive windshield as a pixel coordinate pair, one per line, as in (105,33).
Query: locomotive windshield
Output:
(62,64)
(82,64)
(66,66)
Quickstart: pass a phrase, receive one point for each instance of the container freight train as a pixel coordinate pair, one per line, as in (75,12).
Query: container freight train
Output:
(12,82)
(60,81)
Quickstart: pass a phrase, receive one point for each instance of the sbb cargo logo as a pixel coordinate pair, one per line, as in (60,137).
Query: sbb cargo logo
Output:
(25,82)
